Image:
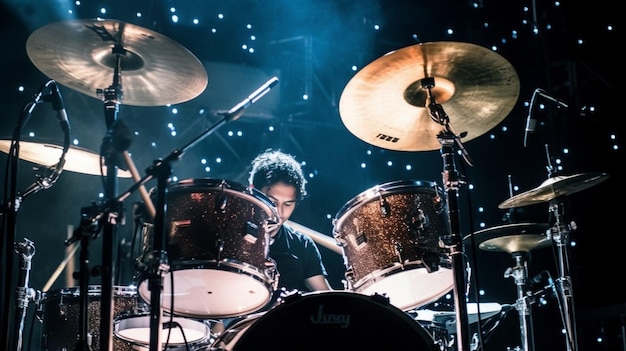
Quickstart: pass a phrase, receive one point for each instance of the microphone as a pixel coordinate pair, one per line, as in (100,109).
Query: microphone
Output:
(531,123)
(551,98)
(237,111)
(59,107)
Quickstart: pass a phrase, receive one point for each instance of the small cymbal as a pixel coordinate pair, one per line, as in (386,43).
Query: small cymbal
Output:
(385,105)
(511,238)
(77,159)
(154,69)
(555,187)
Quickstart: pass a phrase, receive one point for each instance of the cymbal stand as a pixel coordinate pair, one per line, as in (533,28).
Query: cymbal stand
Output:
(523,304)
(26,251)
(451,184)
(560,235)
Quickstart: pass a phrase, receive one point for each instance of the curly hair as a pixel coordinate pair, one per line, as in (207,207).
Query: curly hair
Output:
(273,166)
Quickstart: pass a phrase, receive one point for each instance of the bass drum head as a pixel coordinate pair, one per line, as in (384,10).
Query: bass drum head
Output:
(334,320)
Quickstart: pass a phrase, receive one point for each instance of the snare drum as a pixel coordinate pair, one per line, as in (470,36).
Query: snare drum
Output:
(217,245)
(327,320)
(391,236)
(60,313)
(133,333)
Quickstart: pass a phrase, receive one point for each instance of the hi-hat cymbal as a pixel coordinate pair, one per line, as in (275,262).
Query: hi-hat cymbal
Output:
(517,237)
(385,105)
(77,159)
(154,69)
(555,187)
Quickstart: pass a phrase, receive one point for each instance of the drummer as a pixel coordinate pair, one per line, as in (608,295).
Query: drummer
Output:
(298,260)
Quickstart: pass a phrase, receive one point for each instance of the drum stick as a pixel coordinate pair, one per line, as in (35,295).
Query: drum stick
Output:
(60,268)
(142,189)
(71,265)
(144,196)
(318,237)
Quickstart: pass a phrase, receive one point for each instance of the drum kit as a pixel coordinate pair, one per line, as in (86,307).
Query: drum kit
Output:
(400,240)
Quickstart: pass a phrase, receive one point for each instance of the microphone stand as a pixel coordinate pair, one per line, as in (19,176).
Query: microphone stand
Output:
(451,184)
(10,208)
(157,261)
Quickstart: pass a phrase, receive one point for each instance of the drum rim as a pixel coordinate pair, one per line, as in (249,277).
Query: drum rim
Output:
(232,266)
(93,290)
(379,275)
(388,188)
(299,298)
(195,324)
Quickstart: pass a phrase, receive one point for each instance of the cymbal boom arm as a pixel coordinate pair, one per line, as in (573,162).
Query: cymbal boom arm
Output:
(438,115)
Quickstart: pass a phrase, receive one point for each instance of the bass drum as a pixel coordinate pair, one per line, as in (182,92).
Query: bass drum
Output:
(328,320)
(218,246)
(391,235)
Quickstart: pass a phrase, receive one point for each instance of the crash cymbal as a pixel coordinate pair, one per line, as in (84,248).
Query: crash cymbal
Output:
(155,70)
(555,187)
(516,237)
(47,154)
(384,103)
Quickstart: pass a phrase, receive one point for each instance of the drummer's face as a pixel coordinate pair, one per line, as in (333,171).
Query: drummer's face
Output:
(284,198)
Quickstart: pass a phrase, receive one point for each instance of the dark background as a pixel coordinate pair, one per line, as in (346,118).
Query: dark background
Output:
(312,46)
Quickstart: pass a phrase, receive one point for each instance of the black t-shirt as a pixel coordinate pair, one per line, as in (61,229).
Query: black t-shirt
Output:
(297,257)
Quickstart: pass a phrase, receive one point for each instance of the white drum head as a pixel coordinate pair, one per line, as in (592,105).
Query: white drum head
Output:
(211,292)
(411,288)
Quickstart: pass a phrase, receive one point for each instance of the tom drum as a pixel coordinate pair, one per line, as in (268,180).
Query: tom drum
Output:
(217,245)
(391,235)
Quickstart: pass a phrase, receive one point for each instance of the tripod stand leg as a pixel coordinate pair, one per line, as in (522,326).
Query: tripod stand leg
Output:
(522,305)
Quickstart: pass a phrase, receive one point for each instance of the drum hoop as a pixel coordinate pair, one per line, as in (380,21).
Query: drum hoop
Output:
(388,188)
(92,290)
(195,325)
(391,269)
(299,298)
(231,265)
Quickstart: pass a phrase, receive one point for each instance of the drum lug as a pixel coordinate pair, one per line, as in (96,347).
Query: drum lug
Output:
(63,311)
(220,250)
(271,273)
(398,251)
(349,282)
(431,261)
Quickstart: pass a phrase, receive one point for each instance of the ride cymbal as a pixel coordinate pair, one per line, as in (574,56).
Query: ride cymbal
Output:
(385,105)
(47,154)
(517,237)
(555,187)
(82,54)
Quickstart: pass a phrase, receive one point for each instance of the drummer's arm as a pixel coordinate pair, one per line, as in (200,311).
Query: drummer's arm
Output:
(318,283)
